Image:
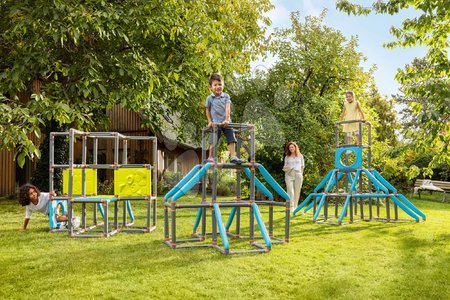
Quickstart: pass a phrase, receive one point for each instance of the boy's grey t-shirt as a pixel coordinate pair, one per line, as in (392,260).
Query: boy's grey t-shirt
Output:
(218,105)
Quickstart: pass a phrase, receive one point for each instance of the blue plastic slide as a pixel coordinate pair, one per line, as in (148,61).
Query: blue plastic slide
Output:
(193,181)
(261,225)
(258,184)
(182,182)
(271,181)
(222,231)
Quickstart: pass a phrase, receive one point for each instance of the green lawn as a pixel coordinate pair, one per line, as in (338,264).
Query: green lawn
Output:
(373,260)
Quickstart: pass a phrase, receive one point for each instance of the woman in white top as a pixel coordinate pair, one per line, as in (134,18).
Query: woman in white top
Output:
(34,200)
(294,164)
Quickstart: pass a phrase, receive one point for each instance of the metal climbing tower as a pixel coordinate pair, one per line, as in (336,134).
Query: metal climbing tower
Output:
(132,182)
(220,231)
(353,183)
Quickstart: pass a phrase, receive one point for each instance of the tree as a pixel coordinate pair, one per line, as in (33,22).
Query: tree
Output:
(424,82)
(68,61)
(300,97)
(387,126)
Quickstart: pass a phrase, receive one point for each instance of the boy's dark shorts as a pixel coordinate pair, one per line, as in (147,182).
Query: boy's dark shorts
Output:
(228,132)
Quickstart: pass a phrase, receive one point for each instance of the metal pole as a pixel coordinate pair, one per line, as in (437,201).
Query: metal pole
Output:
(214,183)
(202,237)
(351,209)
(149,207)
(124,215)
(166,223)
(116,148)
(95,214)
(378,207)
(252,144)
(314,205)
(51,162)
(124,162)
(361,207)
(154,192)
(83,215)
(105,219)
(70,216)
(238,171)
(252,224)
(238,221)
(388,210)
(215,141)
(116,215)
(214,226)
(270,220)
(202,161)
(83,163)
(70,183)
(336,135)
(252,181)
(173,210)
(336,199)
(287,221)
(125,151)
(360,134)
(95,151)
(395,211)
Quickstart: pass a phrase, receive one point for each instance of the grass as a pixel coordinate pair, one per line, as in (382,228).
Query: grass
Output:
(363,260)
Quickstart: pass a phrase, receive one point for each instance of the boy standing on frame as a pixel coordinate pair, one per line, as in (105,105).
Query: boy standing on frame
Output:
(218,107)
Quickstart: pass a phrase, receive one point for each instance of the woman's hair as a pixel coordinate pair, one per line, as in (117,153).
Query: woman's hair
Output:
(287,152)
(24,199)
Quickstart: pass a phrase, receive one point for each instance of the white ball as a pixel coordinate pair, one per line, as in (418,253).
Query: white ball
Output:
(76,222)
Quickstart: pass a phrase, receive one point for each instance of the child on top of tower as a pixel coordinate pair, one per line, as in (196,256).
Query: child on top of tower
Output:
(218,112)
(352,112)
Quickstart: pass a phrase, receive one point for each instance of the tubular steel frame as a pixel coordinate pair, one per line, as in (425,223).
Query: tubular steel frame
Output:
(171,207)
(377,188)
(100,202)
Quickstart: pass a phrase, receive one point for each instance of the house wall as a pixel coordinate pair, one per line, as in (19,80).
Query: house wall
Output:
(7,173)
(180,160)
(11,175)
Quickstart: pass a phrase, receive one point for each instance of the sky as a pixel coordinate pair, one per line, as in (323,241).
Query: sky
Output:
(372,31)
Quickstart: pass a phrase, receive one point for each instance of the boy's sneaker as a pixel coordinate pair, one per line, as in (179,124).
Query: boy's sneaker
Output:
(235,160)
(209,160)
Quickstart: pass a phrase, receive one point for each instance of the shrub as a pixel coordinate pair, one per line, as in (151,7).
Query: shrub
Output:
(168,180)
(226,183)
(223,189)
(106,188)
